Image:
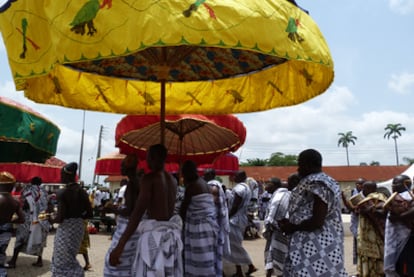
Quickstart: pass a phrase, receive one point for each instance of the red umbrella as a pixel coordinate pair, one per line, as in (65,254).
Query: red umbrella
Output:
(227,164)
(110,165)
(200,138)
(25,171)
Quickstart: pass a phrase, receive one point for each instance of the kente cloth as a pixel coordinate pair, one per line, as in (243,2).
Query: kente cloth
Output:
(277,243)
(201,238)
(370,244)
(222,218)
(159,249)
(238,223)
(86,242)
(397,235)
(31,236)
(66,245)
(319,252)
(127,257)
(5,236)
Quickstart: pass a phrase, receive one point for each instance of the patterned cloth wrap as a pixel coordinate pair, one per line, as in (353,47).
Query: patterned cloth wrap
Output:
(201,238)
(159,249)
(320,252)
(238,223)
(5,236)
(31,236)
(128,255)
(222,217)
(277,243)
(66,246)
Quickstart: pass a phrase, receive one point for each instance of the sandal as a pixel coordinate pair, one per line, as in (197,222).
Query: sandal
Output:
(9,265)
(37,264)
(250,271)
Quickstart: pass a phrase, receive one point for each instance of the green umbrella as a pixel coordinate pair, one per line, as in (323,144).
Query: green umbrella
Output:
(25,135)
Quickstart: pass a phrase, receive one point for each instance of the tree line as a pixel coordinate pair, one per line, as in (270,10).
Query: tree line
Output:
(393,131)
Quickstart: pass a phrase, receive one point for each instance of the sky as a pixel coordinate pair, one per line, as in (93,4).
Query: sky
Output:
(371,43)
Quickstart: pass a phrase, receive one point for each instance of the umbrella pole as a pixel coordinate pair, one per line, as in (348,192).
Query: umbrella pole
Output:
(162,118)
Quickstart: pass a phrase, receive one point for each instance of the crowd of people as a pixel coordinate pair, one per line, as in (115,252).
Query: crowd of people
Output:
(382,229)
(167,229)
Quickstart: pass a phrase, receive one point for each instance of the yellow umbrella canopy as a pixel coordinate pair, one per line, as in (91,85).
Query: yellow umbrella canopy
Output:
(140,57)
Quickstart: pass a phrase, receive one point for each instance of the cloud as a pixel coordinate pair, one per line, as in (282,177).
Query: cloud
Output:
(402,83)
(316,124)
(402,6)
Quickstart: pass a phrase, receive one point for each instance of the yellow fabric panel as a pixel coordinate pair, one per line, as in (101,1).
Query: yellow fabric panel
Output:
(237,95)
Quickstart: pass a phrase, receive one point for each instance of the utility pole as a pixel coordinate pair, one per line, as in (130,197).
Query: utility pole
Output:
(81,147)
(98,153)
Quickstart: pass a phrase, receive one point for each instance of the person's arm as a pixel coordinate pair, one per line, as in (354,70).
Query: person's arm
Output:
(20,215)
(61,210)
(236,204)
(319,212)
(185,203)
(141,206)
(404,216)
(88,206)
(216,194)
(346,202)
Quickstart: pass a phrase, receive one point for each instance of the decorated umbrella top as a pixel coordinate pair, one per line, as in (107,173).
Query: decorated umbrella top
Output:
(213,57)
(25,135)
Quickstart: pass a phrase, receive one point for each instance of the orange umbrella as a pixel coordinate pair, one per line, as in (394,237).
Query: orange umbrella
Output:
(200,138)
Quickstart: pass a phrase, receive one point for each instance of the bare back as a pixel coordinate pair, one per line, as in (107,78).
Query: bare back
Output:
(159,189)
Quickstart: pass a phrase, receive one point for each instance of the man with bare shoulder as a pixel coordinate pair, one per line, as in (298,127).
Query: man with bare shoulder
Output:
(8,207)
(159,229)
(73,208)
(123,210)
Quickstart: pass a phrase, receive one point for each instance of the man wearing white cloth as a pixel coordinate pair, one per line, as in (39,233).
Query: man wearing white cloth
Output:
(159,248)
(241,195)
(123,211)
(277,242)
(399,237)
(222,212)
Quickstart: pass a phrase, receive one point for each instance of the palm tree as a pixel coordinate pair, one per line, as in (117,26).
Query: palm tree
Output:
(408,160)
(344,140)
(394,131)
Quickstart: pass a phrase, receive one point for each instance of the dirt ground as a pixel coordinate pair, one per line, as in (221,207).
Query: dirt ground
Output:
(100,243)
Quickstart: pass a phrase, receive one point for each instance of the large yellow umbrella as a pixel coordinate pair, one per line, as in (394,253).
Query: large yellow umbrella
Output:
(147,56)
